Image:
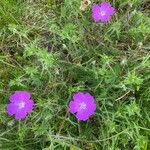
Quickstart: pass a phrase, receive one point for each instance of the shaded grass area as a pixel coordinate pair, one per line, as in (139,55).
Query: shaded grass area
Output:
(52,49)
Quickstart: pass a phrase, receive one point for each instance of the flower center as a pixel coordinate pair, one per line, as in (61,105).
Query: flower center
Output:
(102,13)
(21,105)
(82,106)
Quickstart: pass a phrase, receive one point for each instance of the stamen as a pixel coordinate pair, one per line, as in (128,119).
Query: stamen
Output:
(82,106)
(21,105)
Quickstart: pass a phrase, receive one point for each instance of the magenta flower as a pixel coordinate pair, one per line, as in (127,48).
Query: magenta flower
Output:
(20,104)
(102,12)
(82,105)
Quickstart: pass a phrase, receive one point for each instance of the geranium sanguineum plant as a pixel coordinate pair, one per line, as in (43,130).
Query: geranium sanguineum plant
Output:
(102,12)
(20,104)
(82,105)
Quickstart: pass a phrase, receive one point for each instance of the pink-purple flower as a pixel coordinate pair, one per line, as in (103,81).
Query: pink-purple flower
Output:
(82,105)
(102,12)
(20,104)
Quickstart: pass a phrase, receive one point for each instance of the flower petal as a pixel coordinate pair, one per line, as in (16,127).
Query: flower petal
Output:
(95,12)
(112,11)
(73,107)
(29,105)
(19,96)
(90,104)
(89,97)
(91,107)
(11,109)
(82,116)
(105,18)
(21,115)
(78,96)
(105,5)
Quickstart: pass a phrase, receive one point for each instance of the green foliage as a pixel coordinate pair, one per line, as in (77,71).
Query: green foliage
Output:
(10,12)
(53,49)
(69,32)
(133,80)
